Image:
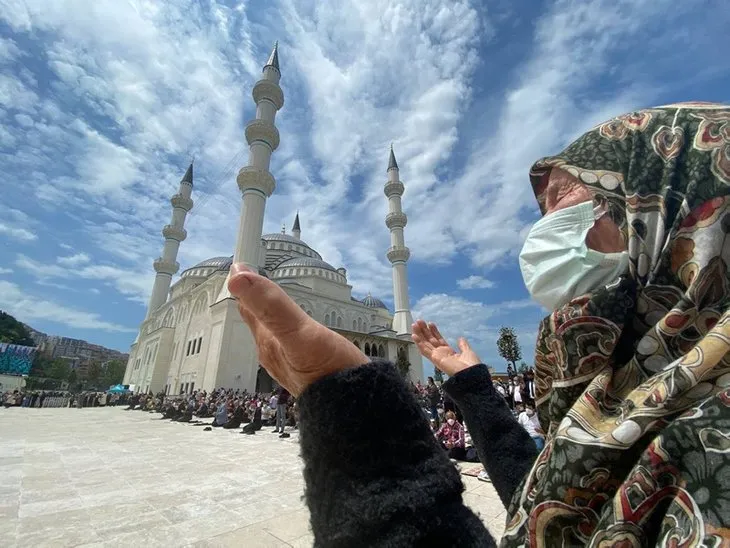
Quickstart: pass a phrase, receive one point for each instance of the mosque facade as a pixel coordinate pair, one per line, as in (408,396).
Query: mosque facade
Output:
(193,337)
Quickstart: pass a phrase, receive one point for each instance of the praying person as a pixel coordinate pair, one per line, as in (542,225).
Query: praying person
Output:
(528,421)
(632,363)
(451,437)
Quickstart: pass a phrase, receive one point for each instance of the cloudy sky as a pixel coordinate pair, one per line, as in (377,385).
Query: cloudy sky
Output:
(103,103)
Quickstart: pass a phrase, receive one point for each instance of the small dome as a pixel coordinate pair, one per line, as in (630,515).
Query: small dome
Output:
(306,262)
(220,262)
(279,237)
(372,302)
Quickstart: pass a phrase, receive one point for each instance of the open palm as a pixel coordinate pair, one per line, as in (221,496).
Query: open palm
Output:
(432,346)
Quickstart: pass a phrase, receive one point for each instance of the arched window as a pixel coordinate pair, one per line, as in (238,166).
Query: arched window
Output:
(339,321)
(367,349)
(381,351)
(359,324)
(356,344)
(354,325)
(326,319)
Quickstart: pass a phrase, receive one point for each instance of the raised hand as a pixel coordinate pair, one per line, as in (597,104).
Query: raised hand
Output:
(292,347)
(432,346)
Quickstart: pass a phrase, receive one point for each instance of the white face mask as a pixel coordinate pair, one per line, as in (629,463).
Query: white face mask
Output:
(556,264)
(451,422)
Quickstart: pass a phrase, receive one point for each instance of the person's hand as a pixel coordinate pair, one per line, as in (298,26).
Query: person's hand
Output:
(292,347)
(434,347)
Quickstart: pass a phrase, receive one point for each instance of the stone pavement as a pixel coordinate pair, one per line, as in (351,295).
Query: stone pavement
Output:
(109,477)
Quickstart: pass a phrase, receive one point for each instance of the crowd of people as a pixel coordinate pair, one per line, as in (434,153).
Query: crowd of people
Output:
(229,409)
(55,398)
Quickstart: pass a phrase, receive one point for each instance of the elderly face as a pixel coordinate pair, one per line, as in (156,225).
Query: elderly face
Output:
(563,191)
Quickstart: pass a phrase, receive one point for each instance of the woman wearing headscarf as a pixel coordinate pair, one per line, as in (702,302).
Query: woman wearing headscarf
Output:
(632,375)
(632,370)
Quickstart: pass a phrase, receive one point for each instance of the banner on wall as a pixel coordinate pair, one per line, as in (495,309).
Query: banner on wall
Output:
(16,359)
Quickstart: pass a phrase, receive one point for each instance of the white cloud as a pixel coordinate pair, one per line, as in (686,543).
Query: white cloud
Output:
(28,308)
(18,233)
(136,287)
(73,260)
(475,282)
(6,270)
(9,51)
(479,322)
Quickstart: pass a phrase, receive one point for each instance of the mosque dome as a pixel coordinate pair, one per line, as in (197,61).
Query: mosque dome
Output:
(306,262)
(214,264)
(372,302)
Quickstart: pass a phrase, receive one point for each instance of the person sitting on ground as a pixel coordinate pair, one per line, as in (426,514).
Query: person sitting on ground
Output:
(451,437)
(632,366)
(528,421)
(255,424)
(236,418)
(221,415)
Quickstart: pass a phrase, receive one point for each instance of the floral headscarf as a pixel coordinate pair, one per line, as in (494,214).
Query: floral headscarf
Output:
(633,381)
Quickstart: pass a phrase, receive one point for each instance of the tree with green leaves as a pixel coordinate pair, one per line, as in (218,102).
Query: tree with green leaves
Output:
(58,369)
(438,376)
(93,373)
(508,346)
(14,332)
(402,363)
(113,373)
(524,368)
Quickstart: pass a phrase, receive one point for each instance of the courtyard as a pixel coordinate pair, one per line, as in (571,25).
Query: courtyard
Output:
(109,477)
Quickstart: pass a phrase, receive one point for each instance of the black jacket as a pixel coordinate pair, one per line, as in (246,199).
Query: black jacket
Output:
(374,473)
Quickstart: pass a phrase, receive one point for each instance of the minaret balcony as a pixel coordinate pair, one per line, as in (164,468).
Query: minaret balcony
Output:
(393,188)
(261,130)
(166,267)
(181,202)
(267,90)
(171,232)
(258,179)
(398,253)
(396,219)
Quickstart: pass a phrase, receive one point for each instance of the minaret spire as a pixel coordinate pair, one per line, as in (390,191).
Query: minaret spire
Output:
(174,233)
(255,180)
(296,229)
(398,253)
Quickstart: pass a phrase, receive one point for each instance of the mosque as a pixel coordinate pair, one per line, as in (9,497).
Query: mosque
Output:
(193,337)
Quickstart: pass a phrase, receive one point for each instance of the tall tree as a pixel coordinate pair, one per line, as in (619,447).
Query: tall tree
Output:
(14,332)
(508,346)
(59,369)
(438,376)
(93,373)
(524,368)
(113,372)
(403,364)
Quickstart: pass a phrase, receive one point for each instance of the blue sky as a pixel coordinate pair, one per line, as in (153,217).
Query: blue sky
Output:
(102,105)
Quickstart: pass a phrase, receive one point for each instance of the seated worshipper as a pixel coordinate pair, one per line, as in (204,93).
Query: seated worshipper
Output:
(236,418)
(528,421)
(186,411)
(358,494)
(451,437)
(221,415)
(256,423)
(632,365)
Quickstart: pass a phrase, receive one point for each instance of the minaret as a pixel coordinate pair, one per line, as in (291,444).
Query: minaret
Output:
(296,229)
(255,180)
(398,253)
(174,233)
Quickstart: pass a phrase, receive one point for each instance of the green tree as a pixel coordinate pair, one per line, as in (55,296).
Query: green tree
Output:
(113,372)
(59,369)
(93,373)
(438,376)
(402,363)
(523,368)
(14,332)
(72,378)
(508,346)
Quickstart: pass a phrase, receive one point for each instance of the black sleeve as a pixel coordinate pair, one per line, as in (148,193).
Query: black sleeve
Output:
(505,448)
(374,474)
